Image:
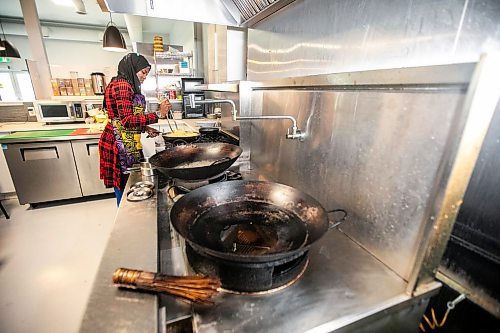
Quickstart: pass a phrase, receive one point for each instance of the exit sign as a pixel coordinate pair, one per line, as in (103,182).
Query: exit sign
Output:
(4,59)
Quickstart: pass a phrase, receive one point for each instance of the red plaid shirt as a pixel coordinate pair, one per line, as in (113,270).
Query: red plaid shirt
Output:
(118,103)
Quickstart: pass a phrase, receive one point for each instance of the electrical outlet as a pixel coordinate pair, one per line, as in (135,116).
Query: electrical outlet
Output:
(31,111)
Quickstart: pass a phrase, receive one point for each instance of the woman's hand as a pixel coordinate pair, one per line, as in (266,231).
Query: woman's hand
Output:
(165,107)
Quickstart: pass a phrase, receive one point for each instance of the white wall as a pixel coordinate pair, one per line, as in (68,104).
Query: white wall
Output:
(82,57)
(70,49)
(179,32)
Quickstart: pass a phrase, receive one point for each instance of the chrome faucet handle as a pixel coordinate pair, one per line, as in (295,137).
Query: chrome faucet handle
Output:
(295,133)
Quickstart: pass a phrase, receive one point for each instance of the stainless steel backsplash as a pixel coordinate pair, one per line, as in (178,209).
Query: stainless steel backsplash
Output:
(375,154)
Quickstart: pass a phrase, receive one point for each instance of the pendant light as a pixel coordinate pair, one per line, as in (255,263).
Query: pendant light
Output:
(7,49)
(113,39)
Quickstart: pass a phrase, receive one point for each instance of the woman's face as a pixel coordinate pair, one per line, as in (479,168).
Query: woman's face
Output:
(142,74)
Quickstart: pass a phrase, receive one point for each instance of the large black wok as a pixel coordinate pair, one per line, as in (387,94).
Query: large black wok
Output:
(196,161)
(249,221)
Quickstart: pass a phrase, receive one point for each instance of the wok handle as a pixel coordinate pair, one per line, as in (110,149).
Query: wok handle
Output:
(337,223)
(177,188)
(221,160)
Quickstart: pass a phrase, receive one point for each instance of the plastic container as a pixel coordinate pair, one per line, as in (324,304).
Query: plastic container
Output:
(177,115)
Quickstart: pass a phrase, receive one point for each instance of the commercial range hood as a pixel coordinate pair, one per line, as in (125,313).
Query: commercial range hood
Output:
(238,13)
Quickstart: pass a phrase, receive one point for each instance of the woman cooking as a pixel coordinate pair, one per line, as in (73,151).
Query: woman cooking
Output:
(120,146)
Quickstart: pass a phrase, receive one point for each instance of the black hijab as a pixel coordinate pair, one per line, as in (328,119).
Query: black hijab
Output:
(128,68)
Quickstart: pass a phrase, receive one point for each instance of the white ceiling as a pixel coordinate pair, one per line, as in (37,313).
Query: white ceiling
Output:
(50,11)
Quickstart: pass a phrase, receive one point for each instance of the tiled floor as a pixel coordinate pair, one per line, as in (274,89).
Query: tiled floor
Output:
(48,260)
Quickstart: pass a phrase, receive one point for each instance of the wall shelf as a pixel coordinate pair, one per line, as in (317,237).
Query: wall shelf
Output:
(160,71)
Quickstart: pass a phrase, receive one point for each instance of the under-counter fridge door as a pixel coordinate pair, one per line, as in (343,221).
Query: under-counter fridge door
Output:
(43,171)
(86,154)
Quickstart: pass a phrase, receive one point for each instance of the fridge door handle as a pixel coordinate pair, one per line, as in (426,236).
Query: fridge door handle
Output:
(39,153)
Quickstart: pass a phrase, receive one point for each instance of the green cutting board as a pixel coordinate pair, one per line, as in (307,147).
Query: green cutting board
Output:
(38,134)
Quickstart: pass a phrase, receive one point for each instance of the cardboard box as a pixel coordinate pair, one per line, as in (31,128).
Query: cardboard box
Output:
(74,85)
(55,87)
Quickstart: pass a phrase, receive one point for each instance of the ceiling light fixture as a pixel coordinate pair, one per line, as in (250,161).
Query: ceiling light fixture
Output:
(77,4)
(80,7)
(113,39)
(7,49)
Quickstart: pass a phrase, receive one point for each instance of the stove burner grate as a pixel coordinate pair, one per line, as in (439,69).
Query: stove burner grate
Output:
(246,278)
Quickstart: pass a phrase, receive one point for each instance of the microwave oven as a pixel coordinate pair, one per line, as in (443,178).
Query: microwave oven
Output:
(58,111)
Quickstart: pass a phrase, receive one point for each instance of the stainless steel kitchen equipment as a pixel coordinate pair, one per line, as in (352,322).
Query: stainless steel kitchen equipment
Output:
(86,154)
(224,91)
(190,90)
(225,12)
(196,161)
(292,132)
(53,168)
(253,235)
(43,171)
(98,83)
(394,147)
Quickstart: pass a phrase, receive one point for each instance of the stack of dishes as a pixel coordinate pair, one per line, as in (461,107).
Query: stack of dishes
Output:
(140,191)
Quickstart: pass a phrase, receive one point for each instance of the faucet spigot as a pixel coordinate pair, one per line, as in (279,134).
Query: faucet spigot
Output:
(294,133)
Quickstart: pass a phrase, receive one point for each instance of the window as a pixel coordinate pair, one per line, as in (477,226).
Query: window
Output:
(7,91)
(15,86)
(25,86)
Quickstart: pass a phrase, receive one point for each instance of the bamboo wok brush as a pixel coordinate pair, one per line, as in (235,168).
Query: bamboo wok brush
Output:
(198,289)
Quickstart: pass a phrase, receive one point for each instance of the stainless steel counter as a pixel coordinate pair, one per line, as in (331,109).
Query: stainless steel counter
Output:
(51,139)
(344,287)
(341,285)
(36,126)
(132,244)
